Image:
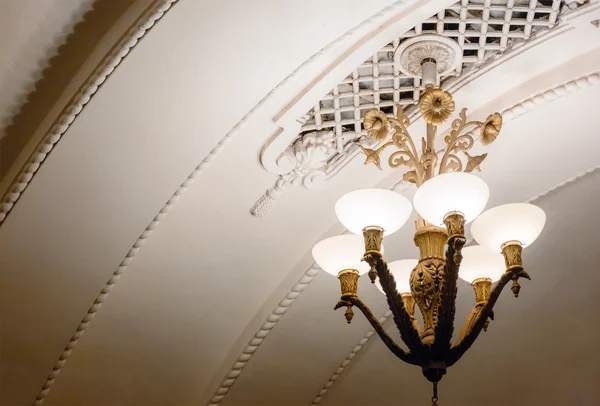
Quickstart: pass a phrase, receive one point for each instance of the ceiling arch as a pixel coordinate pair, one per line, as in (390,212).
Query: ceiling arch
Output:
(205,292)
(25,167)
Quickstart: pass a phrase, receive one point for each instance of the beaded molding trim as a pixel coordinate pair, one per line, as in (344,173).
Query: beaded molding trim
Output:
(349,358)
(66,119)
(509,114)
(60,127)
(79,101)
(259,337)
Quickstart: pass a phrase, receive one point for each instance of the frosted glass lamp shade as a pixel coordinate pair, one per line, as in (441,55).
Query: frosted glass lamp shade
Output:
(335,254)
(481,262)
(373,207)
(457,191)
(516,221)
(401,270)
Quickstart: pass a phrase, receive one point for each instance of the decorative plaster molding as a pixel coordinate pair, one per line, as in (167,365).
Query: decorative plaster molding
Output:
(259,337)
(58,131)
(79,101)
(551,95)
(563,183)
(305,159)
(62,124)
(347,360)
(71,112)
(510,113)
(446,53)
(573,4)
(284,165)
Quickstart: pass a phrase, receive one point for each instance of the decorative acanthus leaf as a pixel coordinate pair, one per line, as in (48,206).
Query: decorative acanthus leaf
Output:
(456,123)
(463,115)
(462,145)
(474,162)
(453,165)
(372,157)
(401,117)
(411,176)
(398,158)
(400,112)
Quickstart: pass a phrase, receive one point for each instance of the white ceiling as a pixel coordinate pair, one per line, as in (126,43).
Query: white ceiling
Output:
(31,36)
(48,48)
(141,211)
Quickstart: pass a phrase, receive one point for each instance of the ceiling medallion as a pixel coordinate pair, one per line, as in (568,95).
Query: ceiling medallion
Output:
(410,54)
(448,197)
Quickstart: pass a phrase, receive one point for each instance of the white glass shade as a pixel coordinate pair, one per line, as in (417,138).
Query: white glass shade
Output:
(401,270)
(481,262)
(516,221)
(373,207)
(457,191)
(334,254)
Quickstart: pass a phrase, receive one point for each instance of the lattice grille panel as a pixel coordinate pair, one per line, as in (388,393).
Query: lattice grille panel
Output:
(483,28)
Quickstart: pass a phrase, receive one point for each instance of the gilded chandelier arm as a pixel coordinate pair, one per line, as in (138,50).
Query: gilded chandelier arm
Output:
(482,294)
(387,340)
(448,291)
(402,318)
(478,320)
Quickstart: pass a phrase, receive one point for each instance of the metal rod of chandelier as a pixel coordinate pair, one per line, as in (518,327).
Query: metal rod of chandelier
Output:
(445,201)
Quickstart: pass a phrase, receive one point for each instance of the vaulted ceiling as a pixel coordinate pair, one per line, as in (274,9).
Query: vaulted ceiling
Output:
(166,167)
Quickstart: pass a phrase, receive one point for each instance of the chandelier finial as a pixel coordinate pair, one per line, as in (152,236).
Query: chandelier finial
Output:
(434,398)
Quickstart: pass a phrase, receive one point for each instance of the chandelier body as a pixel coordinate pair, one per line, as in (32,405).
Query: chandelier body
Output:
(433,282)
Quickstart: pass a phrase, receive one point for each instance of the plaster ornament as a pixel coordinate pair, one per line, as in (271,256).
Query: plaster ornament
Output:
(341,110)
(444,51)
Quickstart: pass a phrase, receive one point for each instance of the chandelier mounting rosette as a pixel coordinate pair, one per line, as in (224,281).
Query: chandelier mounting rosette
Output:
(448,196)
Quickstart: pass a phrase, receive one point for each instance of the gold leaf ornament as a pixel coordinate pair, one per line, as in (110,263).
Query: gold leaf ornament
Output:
(410,176)
(436,106)
(402,117)
(377,125)
(372,157)
(453,165)
(474,162)
(491,128)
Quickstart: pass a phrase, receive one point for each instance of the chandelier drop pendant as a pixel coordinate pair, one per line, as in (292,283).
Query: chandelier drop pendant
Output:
(448,197)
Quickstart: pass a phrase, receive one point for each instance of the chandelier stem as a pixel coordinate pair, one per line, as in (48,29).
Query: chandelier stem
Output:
(429,72)
(429,153)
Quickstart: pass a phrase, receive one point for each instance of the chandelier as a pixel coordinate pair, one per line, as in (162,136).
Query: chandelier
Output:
(448,196)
